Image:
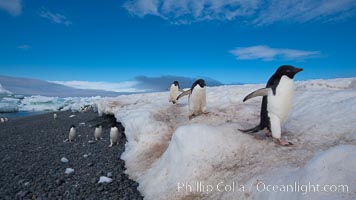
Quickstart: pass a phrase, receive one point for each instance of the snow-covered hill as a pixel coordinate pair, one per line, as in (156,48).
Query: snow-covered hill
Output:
(173,157)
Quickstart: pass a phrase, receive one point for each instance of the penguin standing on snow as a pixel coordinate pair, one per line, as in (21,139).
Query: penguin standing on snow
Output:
(114,135)
(276,103)
(174,91)
(72,133)
(197,98)
(98,132)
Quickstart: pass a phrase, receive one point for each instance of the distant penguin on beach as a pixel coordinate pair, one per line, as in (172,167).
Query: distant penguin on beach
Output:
(2,120)
(72,133)
(6,119)
(55,116)
(276,103)
(98,132)
(114,135)
(174,92)
(197,98)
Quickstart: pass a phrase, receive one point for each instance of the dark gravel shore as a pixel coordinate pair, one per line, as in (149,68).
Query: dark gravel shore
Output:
(31,152)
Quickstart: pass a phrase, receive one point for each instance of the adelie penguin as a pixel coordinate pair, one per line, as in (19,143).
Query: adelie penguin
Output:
(276,103)
(72,133)
(98,132)
(174,91)
(197,98)
(114,135)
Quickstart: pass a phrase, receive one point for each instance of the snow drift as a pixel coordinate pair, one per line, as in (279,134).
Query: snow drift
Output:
(173,157)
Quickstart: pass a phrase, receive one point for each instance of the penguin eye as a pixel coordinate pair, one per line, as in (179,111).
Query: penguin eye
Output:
(288,70)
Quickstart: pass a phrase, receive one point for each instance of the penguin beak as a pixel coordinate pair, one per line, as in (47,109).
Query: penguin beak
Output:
(298,70)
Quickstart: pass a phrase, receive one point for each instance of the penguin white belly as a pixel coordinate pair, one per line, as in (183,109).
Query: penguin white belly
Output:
(114,135)
(281,103)
(197,100)
(72,134)
(98,132)
(174,92)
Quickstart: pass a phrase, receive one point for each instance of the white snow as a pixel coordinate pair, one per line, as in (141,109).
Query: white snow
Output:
(165,149)
(334,167)
(69,171)
(104,179)
(64,160)
(6,107)
(14,103)
(42,103)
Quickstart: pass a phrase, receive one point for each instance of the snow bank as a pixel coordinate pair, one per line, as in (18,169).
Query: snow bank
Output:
(327,172)
(166,150)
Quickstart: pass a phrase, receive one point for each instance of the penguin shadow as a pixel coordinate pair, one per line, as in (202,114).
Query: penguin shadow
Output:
(206,114)
(264,135)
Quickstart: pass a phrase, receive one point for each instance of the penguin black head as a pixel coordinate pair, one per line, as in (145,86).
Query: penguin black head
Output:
(199,82)
(98,126)
(72,126)
(113,125)
(288,70)
(176,83)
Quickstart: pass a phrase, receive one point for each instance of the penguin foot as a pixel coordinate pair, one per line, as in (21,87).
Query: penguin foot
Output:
(267,133)
(192,116)
(283,142)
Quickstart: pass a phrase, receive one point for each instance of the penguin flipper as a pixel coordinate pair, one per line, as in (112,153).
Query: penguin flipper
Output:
(259,92)
(183,94)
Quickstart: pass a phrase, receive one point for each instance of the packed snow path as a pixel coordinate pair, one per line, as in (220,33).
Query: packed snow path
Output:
(166,150)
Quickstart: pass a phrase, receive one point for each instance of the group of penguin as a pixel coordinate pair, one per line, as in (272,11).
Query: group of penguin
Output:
(276,102)
(3,119)
(98,133)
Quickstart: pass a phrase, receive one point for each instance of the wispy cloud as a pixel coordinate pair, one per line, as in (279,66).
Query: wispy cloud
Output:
(187,11)
(257,12)
(127,86)
(55,17)
(13,7)
(24,47)
(267,53)
(302,11)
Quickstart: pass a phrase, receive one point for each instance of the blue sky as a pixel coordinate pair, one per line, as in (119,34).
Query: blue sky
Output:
(230,41)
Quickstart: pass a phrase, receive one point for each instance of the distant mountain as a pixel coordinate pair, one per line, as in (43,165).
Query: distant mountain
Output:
(28,87)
